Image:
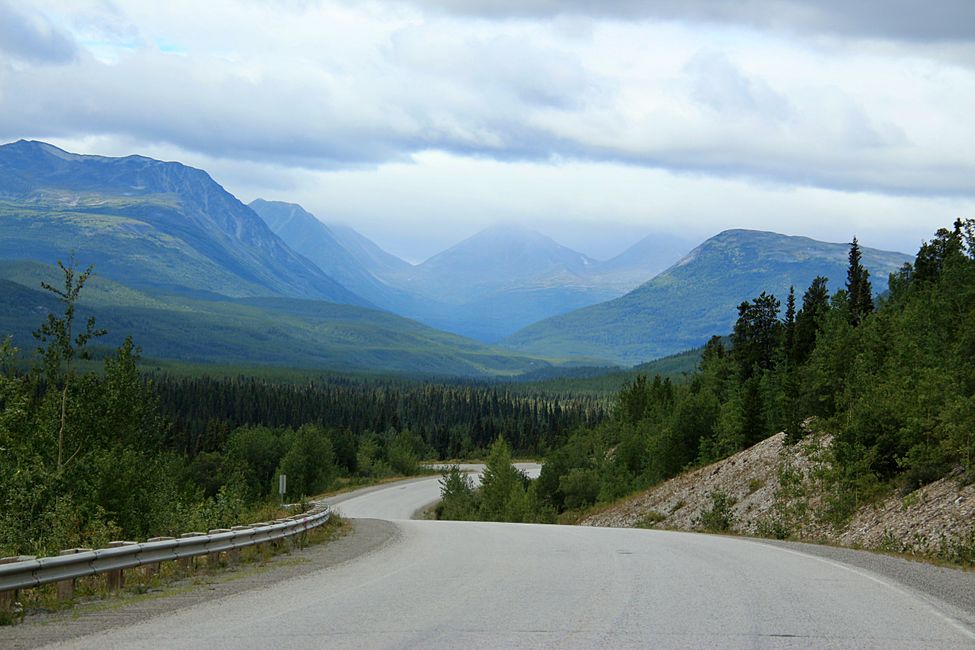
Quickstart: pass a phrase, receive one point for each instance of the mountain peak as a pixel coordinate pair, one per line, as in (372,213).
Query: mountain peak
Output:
(697,297)
(212,242)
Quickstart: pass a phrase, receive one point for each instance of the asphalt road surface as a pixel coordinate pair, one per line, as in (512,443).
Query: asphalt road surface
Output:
(466,584)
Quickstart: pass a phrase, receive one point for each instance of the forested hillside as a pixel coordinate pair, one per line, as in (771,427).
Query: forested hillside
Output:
(695,298)
(890,378)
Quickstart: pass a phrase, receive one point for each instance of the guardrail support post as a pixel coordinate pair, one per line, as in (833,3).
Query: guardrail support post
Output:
(66,587)
(234,553)
(9,598)
(261,546)
(152,568)
(186,563)
(116,579)
(213,559)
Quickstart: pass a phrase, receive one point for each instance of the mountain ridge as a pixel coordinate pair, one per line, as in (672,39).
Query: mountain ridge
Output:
(159,225)
(697,297)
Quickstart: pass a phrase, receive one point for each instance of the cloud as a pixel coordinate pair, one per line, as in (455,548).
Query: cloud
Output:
(32,37)
(910,20)
(328,86)
(717,83)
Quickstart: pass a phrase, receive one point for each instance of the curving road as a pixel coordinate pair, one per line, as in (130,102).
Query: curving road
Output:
(466,584)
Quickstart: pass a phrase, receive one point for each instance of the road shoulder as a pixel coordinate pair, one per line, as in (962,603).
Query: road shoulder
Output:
(366,536)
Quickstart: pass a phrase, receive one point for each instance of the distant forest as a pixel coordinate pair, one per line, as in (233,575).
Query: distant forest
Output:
(451,421)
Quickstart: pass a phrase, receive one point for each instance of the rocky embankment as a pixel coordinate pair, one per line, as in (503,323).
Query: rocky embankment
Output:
(777,490)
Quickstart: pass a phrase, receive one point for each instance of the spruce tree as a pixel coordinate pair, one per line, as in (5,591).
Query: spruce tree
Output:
(789,325)
(810,318)
(858,289)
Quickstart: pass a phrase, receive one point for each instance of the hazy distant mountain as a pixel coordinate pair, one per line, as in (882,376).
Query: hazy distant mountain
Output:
(151,224)
(640,262)
(307,235)
(498,281)
(370,256)
(697,297)
(499,258)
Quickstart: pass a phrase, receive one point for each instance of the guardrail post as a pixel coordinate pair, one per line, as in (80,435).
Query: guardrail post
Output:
(283,542)
(213,559)
(9,598)
(186,563)
(66,587)
(261,546)
(152,568)
(116,579)
(234,553)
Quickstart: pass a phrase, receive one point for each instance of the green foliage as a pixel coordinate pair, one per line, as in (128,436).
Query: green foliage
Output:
(458,500)
(756,335)
(718,518)
(579,488)
(308,461)
(858,286)
(502,494)
(404,453)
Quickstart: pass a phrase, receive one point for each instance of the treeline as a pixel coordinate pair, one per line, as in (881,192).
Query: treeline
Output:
(452,421)
(890,377)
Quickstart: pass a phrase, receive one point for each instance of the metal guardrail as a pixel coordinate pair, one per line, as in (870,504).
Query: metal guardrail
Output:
(36,572)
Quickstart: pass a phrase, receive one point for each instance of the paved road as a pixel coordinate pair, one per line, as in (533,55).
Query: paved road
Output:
(465,584)
(403,500)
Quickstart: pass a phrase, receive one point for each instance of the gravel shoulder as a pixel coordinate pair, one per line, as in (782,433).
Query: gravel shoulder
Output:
(366,536)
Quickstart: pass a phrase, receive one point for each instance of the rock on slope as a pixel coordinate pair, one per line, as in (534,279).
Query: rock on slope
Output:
(777,491)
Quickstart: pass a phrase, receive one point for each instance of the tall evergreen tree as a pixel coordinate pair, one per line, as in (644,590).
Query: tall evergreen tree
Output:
(756,334)
(858,289)
(789,327)
(810,318)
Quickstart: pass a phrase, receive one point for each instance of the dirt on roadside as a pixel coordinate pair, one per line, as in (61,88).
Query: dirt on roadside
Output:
(776,490)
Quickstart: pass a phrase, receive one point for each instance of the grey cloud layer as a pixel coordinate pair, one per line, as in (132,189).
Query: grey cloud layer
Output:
(484,93)
(914,20)
(31,37)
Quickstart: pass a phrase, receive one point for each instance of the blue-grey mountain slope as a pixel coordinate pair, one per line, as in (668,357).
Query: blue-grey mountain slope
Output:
(500,280)
(153,225)
(697,297)
(641,262)
(367,253)
(304,233)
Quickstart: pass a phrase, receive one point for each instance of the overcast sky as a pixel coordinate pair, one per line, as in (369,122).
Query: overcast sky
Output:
(420,122)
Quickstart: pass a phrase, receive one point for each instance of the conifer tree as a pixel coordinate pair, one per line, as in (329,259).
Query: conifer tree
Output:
(858,289)
(789,326)
(810,318)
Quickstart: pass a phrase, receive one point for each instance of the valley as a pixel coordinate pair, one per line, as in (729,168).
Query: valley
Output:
(270,283)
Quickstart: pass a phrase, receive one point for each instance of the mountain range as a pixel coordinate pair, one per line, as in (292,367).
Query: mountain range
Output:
(685,305)
(196,275)
(485,287)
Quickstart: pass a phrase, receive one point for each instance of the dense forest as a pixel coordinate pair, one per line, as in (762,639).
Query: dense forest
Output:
(452,421)
(87,457)
(890,377)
